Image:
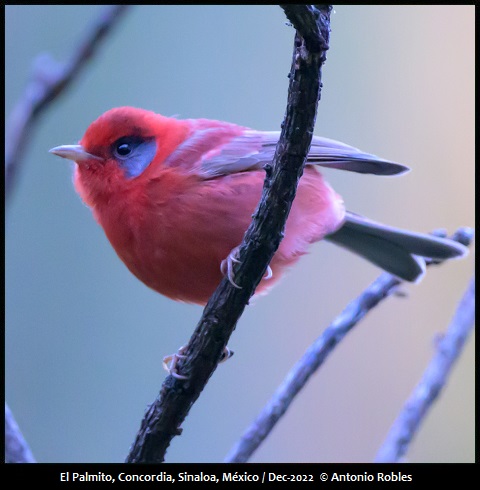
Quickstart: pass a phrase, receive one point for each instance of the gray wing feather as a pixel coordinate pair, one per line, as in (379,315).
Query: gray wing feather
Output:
(253,149)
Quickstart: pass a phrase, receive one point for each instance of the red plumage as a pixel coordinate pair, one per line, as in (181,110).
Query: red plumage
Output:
(176,196)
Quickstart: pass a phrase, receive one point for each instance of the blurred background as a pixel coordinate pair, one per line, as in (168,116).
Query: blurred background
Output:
(85,339)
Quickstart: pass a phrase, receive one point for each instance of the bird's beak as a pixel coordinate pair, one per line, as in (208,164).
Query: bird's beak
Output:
(76,153)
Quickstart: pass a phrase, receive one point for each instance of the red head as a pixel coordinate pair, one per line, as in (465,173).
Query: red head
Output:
(123,145)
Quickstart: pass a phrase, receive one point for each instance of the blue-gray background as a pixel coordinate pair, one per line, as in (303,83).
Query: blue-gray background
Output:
(85,339)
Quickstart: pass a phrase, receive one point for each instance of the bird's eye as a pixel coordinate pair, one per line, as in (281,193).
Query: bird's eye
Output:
(124,147)
(134,154)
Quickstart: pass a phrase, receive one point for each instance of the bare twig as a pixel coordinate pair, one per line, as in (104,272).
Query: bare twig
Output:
(163,418)
(315,355)
(433,381)
(49,80)
(16,448)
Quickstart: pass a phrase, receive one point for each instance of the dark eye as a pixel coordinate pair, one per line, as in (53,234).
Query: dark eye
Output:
(134,154)
(124,147)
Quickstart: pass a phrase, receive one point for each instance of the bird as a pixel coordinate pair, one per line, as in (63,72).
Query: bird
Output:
(175,197)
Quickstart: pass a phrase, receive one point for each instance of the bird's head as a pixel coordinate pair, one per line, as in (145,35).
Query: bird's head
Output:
(120,147)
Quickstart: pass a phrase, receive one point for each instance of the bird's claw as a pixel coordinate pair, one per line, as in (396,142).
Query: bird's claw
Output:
(226,267)
(269,273)
(170,363)
(226,354)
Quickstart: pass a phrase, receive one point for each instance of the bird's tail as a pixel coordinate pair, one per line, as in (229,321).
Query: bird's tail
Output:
(397,251)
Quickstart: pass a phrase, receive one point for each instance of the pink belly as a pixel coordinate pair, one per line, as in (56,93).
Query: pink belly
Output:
(175,245)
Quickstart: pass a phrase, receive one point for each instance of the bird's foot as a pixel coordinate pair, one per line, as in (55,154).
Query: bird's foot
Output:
(226,267)
(226,354)
(170,362)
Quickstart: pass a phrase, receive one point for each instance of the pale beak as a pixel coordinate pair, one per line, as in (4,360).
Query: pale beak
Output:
(76,153)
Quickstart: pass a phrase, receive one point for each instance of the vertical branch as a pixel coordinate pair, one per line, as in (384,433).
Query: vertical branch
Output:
(49,80)
(433,381)
(163,418)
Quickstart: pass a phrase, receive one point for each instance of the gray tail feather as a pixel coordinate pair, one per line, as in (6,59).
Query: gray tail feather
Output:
(399,252)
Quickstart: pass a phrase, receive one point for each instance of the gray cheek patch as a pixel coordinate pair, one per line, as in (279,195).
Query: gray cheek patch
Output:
(139,159)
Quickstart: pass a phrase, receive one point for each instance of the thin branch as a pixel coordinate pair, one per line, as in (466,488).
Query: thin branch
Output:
(163,418)
(384,286)
(433,381)
(16,448)
(49,80)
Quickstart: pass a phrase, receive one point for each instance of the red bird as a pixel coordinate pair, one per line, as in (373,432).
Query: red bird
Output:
(175,198)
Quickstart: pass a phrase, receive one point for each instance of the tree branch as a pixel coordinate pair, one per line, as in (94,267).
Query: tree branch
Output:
(316,354)
(16,448)
(433,381)
(163,418)
(49,80)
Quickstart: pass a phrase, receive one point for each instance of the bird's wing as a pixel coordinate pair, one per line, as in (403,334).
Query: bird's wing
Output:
(218,151)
